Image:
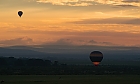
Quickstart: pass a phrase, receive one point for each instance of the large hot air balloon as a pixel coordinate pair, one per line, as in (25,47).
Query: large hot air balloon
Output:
(20,13)
(96,57)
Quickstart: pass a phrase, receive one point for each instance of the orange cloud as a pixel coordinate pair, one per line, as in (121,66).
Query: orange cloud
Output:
(92,2)
(66,2)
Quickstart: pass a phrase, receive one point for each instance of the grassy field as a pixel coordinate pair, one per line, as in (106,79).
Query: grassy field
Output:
(70,79)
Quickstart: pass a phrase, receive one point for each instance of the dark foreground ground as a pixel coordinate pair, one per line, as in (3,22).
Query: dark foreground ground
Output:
(70,79)
(38,71)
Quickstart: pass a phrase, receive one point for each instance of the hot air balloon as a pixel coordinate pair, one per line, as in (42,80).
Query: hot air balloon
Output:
(96,57)
(20,13)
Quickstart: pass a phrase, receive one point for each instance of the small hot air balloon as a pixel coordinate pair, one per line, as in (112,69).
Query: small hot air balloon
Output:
(96,57)
(20,13)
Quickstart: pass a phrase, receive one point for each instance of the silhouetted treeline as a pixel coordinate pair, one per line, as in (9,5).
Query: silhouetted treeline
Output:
(11,61)
(26,66)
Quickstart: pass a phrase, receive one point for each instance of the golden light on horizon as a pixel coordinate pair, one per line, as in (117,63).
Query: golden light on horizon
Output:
(96,20)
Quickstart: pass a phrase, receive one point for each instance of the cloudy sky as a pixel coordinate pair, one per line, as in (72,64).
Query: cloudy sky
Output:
(78,22)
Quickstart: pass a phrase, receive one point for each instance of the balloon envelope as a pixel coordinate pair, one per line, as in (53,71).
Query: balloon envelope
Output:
(96,57)
(20,13)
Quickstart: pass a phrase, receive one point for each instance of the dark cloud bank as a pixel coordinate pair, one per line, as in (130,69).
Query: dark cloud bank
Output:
(115,20)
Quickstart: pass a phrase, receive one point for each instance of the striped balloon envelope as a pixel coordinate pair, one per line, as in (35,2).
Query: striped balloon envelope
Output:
(96,57)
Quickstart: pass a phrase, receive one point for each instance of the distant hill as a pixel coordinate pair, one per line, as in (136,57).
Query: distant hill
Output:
(7,52)
(72,53)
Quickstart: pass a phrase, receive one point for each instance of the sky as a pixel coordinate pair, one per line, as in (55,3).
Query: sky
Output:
(70,22)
